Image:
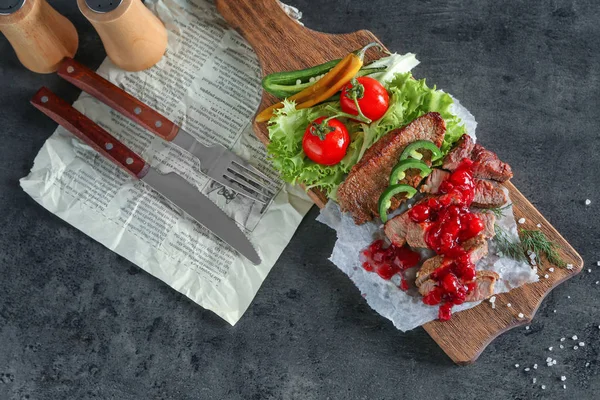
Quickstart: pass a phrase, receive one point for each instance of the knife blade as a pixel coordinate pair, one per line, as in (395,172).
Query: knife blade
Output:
(170,186)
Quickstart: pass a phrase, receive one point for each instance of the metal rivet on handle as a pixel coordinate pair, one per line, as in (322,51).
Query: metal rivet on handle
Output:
(108,146)
(158,124)
(129,161)
(44,99)
(137,110)
(70,69)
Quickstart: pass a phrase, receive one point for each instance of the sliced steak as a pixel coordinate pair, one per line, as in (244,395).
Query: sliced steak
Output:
(488,194)
(478,248)
(402,229)
(487,164)
(360,191)
(484,288)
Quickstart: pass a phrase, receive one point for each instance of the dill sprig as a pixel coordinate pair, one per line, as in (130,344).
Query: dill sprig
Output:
(499,211)
(532,241)
(507,247)
(537,242)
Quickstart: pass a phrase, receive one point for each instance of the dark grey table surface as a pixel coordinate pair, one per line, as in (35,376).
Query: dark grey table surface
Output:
(79,322)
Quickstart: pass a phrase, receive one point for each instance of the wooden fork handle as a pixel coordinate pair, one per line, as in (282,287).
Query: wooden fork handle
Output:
(91,133)
(116,98)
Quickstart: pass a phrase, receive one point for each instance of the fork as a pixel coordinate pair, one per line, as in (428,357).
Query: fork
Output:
(217,162)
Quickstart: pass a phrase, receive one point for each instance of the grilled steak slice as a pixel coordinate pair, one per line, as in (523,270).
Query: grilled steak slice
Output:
(360,192)
(477,247)
(486,280)
(484,288)
(487,164)
(488,194)
(402,229)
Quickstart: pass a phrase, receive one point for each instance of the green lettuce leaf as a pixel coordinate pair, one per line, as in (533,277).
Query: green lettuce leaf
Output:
(409,99)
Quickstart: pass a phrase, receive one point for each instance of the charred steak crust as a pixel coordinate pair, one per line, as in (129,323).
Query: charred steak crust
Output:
(487,164)
(360,191)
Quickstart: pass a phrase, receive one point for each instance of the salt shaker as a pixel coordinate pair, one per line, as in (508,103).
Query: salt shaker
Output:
(40,36)
(133,37)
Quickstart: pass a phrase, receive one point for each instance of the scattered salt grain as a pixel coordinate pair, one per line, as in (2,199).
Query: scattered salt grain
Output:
(581,344)
(521,315)
(597,282)
(534,367)
(564,386)
(588,202)
(563,378)
(575,347)
(568,297)
(549,359)
(554,362)
(409,206)
(527,369)
(551,269)
(598,263)
(527,327)
(521,220)
(298,81)
(562,347)
(574,337)
(562,339)
(553,310)
(534,380)
(312,79)
(492,299)
(589,270)
(543,386)
(546,276)
(569,266)
(539,225)
(516,365)
(550,348)
(587,364)
(508,305)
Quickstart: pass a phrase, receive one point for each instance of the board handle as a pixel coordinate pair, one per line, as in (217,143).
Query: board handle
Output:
(91,133)
(117,99)
(279,41)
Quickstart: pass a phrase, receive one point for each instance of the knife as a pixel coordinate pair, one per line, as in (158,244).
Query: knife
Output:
(216,161)
(171,186)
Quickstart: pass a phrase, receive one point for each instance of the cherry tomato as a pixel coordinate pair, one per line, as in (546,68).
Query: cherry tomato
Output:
(326,144)
(374,101)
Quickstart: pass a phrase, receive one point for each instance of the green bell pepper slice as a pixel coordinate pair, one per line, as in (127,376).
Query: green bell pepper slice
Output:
(413,150)
(385,200)
(399,171)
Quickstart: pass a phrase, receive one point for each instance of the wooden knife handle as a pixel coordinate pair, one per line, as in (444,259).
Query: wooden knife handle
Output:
(88,131)
(116,98)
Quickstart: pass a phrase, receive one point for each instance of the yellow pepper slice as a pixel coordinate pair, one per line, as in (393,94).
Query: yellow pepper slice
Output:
(330,84)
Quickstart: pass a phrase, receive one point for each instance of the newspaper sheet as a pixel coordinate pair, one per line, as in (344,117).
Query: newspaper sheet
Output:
(208,82)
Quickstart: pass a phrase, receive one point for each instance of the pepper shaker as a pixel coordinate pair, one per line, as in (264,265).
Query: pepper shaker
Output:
(40,36)
(133,37)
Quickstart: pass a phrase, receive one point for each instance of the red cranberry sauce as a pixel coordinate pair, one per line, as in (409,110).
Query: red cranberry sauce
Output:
(389,261)
(448,223)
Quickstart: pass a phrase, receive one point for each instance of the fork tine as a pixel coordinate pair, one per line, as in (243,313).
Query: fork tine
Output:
(244,189)
(244,168)
(248,181)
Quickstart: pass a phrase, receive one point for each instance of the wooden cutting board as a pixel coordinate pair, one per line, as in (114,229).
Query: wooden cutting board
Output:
(282,44)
